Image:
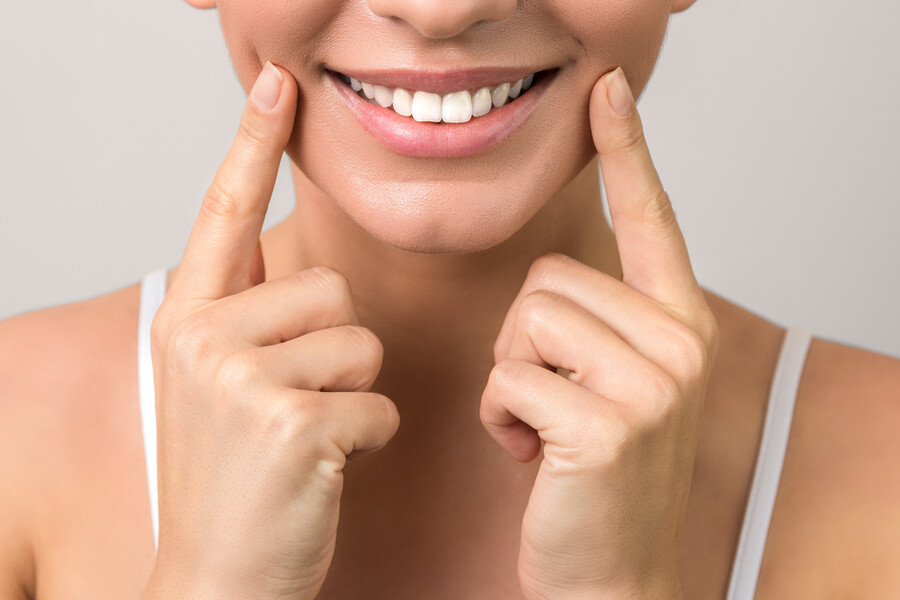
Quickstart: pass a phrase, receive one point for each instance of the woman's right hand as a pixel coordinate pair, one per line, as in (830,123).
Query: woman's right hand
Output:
(261,391)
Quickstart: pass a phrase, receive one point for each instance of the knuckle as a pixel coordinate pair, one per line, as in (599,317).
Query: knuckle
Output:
(336,286)
(366,341)
(333,291)
(390,414)
(368,354)
(160,329)
(660,413)
(293,419)
(612,442)
(253,134)
(665,393)
(631,137)
(500,346)
(240,371)
(708,328)
(504,375)
(535,308)
(658,211)
(667,389)
(330,279)
(192,341)
(484,410)
(283,423)
(545,269)
(222,202)
(690,355)
(280,421)
(342,432)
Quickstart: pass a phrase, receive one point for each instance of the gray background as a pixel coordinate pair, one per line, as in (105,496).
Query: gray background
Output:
(773,124)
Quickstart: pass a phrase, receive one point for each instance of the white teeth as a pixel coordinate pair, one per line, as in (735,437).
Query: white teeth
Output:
(457,107)
(526,83)
(515,89)
(402,102)
(500,94)
(481,102)
(426,107)
(384,96)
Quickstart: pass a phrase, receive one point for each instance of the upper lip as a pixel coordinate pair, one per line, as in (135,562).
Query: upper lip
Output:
(440,82)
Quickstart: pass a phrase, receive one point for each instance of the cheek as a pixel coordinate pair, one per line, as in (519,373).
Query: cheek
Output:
(283,31)
(615,32)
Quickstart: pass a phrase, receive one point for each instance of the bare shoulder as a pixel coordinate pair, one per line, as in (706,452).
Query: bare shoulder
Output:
(836,524)
(61,369)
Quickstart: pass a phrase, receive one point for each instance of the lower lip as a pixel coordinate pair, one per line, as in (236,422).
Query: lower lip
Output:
(405,135)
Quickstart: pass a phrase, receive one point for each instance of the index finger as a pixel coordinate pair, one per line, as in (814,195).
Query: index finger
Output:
(651,246)
(219,253)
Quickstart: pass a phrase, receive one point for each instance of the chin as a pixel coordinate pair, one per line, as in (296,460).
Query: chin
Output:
(440,218)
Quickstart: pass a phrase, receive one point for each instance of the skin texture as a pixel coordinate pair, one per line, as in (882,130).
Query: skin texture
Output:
(470,281)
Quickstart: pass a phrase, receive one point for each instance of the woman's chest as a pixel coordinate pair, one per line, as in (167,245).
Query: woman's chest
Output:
(386,548)
(430,526)
(415,522)
(391,543)
(425,524)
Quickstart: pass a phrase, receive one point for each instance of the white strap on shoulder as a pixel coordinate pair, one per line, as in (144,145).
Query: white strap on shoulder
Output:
(769,461)
(153,290)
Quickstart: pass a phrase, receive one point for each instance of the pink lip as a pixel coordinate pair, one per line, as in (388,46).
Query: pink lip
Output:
(441,140)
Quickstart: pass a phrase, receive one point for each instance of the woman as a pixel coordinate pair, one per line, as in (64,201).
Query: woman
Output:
(445,295)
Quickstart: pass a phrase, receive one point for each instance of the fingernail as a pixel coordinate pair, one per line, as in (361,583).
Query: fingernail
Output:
(619,93)
(267,89)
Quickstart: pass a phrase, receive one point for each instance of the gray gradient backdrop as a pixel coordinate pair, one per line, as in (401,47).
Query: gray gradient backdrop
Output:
(773,124)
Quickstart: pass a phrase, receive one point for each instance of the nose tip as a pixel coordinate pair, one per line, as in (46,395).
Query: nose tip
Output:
(443,18)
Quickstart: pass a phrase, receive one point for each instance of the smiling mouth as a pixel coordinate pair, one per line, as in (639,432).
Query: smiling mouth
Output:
(453,107)
(435,114)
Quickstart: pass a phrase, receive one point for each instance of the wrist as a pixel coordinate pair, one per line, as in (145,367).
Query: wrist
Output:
(664,587)
(170,582)
(661,587)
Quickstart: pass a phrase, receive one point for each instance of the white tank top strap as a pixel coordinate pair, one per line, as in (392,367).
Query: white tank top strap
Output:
(769,461)
(153,290)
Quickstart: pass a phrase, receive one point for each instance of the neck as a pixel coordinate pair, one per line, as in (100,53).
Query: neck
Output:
(437,315)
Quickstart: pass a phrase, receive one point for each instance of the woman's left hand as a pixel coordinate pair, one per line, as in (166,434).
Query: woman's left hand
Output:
(620,431)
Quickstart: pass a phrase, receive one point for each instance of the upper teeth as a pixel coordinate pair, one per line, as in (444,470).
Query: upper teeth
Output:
(455,107)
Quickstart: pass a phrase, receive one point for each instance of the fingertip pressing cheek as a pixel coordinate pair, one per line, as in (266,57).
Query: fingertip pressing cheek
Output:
(626,33)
